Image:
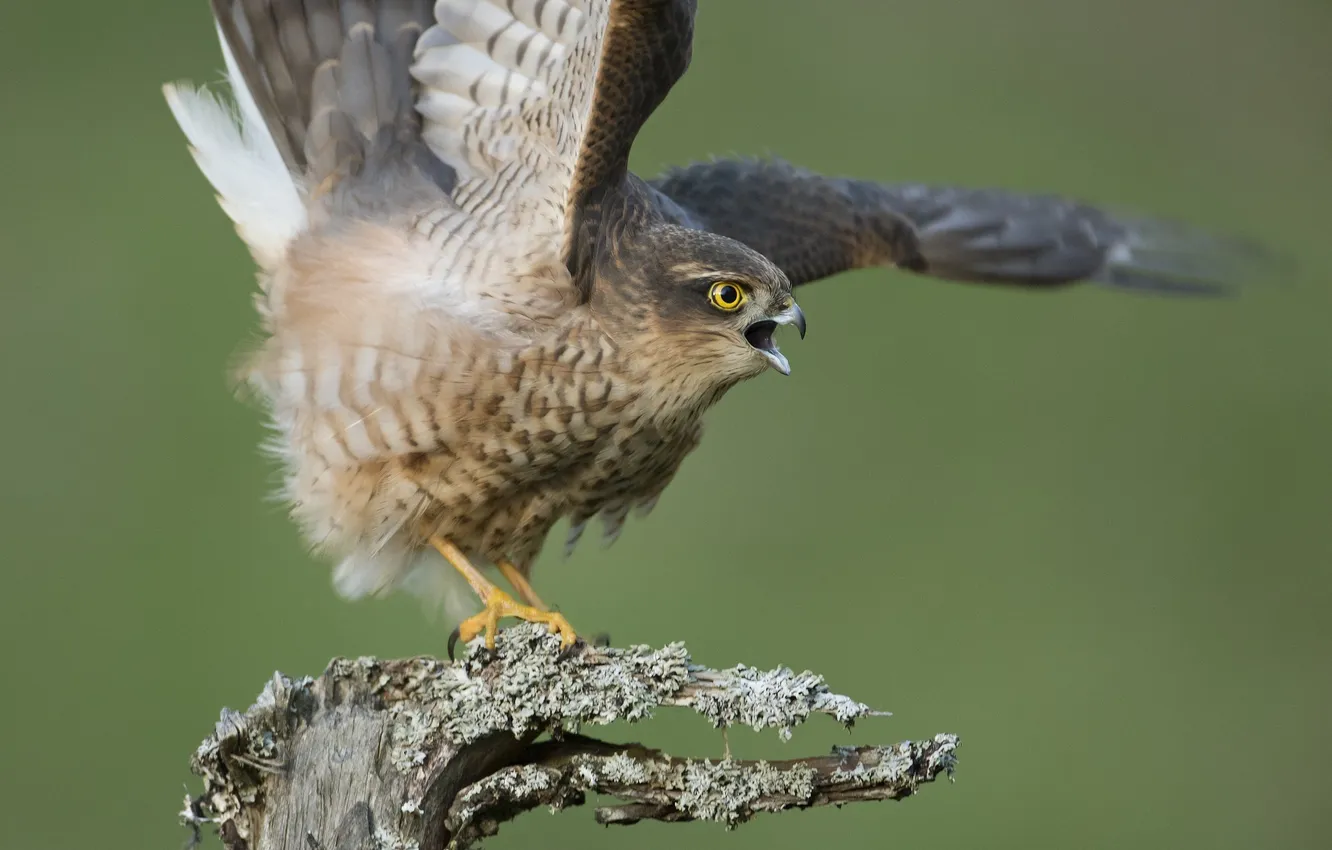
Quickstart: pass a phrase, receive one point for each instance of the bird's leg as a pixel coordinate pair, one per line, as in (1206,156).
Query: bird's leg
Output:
(521,584)
(524,588)
(497,604)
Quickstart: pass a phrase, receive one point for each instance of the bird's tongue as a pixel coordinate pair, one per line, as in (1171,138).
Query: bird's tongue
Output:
(760,337)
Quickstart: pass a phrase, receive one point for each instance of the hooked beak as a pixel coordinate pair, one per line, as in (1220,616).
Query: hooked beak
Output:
(793,316)
(759,335)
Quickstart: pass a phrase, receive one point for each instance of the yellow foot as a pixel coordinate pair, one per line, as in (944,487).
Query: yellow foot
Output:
(500,604)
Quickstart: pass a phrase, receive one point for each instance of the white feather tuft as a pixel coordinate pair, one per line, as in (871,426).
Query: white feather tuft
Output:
(234,150)
(423,573)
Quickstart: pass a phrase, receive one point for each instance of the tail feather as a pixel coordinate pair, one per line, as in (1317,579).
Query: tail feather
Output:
(235,151)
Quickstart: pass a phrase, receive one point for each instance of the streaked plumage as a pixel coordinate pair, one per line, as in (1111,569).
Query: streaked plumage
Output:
(477,321)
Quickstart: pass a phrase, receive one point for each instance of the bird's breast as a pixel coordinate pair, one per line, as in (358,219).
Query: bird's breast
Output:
(565,428)
(509,441)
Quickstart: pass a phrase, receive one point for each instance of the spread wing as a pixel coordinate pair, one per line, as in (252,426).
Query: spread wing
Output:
(814,226)
(536,103)
(503,120)
(410,176)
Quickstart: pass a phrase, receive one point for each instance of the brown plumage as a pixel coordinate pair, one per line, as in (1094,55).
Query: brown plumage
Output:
(477,321)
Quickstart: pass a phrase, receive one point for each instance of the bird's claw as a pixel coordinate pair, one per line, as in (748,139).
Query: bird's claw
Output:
(600,640)
(498,605)
(453,641)
(485,654)
(567,652)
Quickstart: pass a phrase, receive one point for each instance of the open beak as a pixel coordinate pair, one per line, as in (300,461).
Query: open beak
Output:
(760,334)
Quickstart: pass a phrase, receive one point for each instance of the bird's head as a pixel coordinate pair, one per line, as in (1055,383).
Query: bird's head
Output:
(699,301)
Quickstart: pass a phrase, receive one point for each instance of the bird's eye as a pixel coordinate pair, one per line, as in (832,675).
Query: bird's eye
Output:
(726,296)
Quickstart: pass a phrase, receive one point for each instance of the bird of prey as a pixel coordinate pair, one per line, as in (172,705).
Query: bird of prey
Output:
(476,321)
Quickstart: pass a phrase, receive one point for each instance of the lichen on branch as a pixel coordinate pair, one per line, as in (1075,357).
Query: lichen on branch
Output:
(431,754)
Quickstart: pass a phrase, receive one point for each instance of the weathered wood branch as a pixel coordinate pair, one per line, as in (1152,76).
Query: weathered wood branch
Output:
(423,754)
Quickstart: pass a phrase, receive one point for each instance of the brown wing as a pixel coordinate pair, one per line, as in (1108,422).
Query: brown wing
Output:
(524,111)
(647,49)
(814,226)
(535,104)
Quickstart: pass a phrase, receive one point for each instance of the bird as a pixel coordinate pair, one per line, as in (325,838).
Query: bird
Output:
(475,321)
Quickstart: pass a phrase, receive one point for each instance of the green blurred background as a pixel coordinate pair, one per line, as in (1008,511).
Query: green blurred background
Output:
(1087,531)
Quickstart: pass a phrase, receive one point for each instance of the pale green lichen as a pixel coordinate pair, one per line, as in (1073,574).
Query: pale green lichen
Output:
(529,686)
(479,808)
(883,765)
(773,699)
(943,756)
(385,840)
(520,785)
(618,769)
(412,737)
(728,792)
(532,686)
(891,765)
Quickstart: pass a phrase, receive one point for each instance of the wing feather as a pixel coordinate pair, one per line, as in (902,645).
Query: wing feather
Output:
(535,103)
(814,226)
(505,95)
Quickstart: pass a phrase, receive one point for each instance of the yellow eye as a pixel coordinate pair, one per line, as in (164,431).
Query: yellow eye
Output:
(726,296)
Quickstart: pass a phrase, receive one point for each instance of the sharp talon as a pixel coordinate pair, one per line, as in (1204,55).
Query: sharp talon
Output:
(499,605)
(453,641)
(571,650)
